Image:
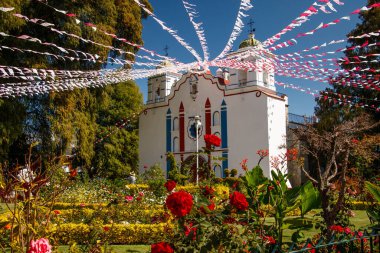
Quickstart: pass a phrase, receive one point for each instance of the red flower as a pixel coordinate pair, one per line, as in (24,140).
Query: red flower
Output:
(291,154)
(311,247)
(270,187)
(190,230)
(354,141)
(138,198)
(106,228)
(57,212)
(269,240)
(211,139)
(161,247)
(179,203)
(208,191)
(73,173)
(7,227)
(141,194)
(170,185)
(239,201)
(347,230)
(263,152)
(337,228)
(243,164)
(211,206)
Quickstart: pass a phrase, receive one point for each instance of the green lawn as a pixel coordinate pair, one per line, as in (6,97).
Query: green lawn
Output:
(360,221)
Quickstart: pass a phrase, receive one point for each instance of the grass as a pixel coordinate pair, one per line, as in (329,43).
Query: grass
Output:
(360,221)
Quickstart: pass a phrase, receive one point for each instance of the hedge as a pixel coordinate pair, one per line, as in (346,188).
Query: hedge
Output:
(69,233)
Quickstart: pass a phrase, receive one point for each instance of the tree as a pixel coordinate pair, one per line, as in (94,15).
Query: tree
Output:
(60,121)
(331,150)
(329,109)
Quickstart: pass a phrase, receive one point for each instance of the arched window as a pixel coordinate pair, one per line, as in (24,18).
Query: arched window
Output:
(175,144)
(218,171)
(216,119)
(175,124)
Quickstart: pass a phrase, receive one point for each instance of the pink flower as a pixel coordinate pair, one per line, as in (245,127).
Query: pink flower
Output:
(141,194)
(39,246)
(360,233)
(347,230)
(129,198)
(82,205)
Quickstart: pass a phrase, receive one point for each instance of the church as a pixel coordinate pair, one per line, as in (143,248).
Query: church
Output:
(241,106)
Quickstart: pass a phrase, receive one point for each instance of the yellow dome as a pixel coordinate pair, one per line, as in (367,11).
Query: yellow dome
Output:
(165,64)
(250,42)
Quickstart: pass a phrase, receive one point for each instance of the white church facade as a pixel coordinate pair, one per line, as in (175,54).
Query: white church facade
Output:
(242,107)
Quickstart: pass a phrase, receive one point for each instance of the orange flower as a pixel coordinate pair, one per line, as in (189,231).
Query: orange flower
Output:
(8,226)
(57,212)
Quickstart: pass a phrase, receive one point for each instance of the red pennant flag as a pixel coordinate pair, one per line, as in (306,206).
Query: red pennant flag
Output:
(375,5)
(71,15)
(365,44)
(312,9)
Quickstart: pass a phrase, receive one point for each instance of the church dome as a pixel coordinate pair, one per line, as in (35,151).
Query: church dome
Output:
(165,64)
(250,42)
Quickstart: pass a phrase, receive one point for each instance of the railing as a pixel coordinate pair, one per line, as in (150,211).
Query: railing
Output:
(349,243)
(299,119)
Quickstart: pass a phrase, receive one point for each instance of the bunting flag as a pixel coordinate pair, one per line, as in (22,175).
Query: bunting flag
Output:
(303,18)
(95,28)
(118,125)
(245,5)
(191,12)
(170,31)
(322,26)
(51,26)
(297,55)
(93,59)
(314,93)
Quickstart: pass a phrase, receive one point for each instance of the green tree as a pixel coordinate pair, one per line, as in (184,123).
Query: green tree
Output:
(72,119)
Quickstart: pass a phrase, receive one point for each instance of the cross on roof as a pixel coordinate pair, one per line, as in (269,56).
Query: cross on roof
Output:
(166,48)
(251,28)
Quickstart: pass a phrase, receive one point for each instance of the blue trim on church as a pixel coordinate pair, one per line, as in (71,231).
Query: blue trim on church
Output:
(168,137)
(223,126)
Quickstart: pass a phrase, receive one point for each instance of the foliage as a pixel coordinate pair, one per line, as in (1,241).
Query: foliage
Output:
(374,210)
(331,151)
(70,122)
(155,179)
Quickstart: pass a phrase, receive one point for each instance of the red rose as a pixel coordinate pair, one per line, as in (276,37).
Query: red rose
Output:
(161,247)
(239,201)
(170,185)
(208,191)
(190,230)
(337,228)
(211,139)
(311,247)
(269,240)
(211,206)
(179,203)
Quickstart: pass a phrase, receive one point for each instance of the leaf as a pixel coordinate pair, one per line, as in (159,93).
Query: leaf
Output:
(310,198)
(255,177)
(373,189)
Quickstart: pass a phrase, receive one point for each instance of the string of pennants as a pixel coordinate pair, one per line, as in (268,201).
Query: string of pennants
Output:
(42,81)
(190,9)
(293,41)
(303,18)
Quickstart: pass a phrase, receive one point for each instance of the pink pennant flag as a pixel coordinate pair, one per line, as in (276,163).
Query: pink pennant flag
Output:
(71,15)
(356,11)
(312,9)
(338,2)
(365,44)
(324,1)
(376,5)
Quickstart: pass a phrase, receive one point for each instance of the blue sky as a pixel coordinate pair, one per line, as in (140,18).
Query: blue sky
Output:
(270,16)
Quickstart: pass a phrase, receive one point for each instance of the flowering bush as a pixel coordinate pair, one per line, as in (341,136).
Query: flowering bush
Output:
(179,203)
(39,246)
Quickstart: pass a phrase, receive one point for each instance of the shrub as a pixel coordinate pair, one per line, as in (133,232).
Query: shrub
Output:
(70,233)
